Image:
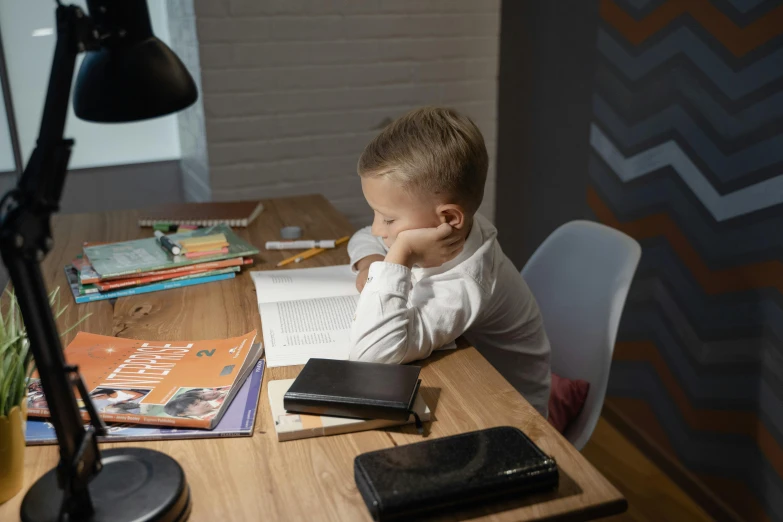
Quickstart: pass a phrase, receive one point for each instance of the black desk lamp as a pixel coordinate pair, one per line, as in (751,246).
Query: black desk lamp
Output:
(127,75)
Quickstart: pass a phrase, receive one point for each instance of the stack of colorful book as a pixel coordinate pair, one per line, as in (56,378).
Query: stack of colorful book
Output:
(112,270)
(204,388)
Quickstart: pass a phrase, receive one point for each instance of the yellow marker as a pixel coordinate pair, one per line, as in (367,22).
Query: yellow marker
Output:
(307,254)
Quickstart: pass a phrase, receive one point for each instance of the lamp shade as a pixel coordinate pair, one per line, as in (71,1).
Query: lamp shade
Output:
(133,75)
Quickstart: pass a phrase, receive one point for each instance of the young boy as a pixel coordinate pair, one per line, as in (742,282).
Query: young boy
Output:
(430,269)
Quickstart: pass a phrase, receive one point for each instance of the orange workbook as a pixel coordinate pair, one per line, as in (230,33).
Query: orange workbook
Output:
(187,384)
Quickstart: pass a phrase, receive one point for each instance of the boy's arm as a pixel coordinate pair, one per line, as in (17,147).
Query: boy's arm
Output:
(362,245)
(395,323)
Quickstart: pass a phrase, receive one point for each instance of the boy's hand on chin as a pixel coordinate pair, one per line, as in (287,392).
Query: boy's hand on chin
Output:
(426,247)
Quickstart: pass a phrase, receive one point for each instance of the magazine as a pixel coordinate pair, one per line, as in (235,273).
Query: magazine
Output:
(183,384)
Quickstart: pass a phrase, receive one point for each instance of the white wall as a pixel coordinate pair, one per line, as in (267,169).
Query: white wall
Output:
(6,152)
(192,132)
(29,62)
(294,89)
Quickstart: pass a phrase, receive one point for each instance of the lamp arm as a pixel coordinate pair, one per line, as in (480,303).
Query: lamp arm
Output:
(25,239)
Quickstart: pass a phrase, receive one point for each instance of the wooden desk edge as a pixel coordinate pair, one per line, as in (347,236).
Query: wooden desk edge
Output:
(607,509)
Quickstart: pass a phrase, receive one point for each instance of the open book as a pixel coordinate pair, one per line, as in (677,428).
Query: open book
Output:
(182,384)
(306,313)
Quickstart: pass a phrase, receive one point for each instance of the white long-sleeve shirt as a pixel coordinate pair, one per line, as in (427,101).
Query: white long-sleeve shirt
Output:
(405,314)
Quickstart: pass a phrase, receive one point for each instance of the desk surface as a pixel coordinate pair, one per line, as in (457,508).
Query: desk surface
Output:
(312,479)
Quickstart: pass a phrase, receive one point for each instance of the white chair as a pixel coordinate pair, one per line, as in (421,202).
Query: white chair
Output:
(580,277)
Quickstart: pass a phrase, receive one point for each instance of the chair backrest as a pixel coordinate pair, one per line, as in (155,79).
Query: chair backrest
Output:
(580,277)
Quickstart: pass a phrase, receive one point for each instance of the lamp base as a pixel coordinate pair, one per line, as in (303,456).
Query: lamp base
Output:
(135,484)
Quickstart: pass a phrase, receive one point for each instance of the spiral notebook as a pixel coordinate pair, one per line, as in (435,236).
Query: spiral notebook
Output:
(233,214)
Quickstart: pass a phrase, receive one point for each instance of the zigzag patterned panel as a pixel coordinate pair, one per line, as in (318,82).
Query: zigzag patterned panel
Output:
(687,157)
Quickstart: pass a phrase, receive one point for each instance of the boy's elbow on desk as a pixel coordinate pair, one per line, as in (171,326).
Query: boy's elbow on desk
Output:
(398,339)
(378,351)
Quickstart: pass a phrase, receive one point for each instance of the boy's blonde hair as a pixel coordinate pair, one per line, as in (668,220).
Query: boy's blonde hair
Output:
(432,148)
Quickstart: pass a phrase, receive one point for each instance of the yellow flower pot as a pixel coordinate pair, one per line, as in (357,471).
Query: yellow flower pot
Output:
(12,452)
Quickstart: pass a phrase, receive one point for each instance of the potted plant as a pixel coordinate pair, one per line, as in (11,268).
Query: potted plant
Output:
(16,365)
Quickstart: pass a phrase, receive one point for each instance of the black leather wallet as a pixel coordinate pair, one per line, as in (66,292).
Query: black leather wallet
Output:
(354,389)
(451,472)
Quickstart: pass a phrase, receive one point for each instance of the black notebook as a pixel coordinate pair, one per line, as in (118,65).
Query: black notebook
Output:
(354,389)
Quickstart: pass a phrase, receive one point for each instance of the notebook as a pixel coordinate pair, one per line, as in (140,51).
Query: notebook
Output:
(360,390)
(233,214)
(306,313)
(293,426)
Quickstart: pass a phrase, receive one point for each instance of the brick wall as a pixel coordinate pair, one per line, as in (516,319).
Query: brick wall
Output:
(294,89)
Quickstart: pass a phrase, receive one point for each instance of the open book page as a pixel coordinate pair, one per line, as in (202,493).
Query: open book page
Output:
(306,312)
(294,331)
(273,286)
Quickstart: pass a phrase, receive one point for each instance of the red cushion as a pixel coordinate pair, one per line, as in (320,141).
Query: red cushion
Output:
(566,401)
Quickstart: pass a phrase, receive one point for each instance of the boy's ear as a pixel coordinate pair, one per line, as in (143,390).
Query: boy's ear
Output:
(452,214)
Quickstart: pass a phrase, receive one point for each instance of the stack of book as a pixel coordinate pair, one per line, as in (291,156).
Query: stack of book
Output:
(202,388)
(112,270)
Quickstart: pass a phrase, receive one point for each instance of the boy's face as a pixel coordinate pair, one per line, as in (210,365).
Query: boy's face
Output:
(397,210)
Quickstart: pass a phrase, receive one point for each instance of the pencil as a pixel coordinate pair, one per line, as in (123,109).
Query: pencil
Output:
(315,251)
(298,258)
(293,258)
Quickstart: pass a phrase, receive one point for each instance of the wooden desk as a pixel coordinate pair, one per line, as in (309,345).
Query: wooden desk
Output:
(257,477)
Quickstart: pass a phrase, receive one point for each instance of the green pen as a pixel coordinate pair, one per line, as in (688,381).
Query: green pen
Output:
(165,227)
